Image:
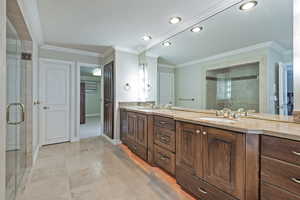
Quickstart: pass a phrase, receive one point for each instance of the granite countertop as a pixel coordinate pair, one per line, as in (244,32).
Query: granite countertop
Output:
(283,129)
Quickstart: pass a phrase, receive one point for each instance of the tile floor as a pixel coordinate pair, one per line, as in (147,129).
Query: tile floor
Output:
(94,169)
(91,128)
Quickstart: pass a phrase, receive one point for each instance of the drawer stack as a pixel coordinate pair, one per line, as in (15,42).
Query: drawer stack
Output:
(280,169)
(164,143)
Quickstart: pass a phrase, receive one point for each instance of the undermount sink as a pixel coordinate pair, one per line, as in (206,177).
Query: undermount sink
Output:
(215,119)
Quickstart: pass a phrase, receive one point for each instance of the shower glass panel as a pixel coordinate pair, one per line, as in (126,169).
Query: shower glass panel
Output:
(16,135)
(233,87)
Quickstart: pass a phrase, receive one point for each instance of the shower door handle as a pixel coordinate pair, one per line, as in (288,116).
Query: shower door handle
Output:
(8,113)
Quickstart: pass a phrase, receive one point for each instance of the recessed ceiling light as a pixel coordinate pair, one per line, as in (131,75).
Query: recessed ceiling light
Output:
(166,44)
(175,20)
(197,29)
(248,5)
(147,37)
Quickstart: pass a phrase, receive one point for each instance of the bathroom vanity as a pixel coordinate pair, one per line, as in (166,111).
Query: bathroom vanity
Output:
(248,159)
(237,59)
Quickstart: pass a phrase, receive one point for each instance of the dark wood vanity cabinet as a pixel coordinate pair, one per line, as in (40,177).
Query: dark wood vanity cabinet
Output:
(164,143)
(215,157)
(141,130)
(123,126)
(224,160)
(134,132)
(189,148)
(280,169)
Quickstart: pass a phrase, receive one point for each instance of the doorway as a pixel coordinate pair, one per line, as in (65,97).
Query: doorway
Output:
(284,102)
(90,101)
(109,97)
(54,95)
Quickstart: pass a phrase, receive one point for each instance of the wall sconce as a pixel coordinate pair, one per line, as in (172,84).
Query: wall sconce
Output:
(127,87)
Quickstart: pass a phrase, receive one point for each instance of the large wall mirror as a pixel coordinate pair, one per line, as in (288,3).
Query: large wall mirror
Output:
(238,58)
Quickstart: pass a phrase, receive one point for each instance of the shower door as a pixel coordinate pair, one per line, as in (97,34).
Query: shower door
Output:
(15,114)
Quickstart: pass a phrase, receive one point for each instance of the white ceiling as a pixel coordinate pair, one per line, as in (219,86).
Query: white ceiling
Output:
(95,25)
(271,20)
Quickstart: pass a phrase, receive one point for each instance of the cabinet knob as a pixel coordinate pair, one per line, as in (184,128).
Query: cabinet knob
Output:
(198,131)
(204,132)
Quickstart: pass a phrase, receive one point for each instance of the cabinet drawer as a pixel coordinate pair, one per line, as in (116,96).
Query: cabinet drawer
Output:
(164,122)
(270,192)
(198,187)
(280,173)
(164,159)
(164,138)
(137,149)
(282,149)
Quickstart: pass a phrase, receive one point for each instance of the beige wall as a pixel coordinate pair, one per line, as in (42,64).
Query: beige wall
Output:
(297,53)
(2,96)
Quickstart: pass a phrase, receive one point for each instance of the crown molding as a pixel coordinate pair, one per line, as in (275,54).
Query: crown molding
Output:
(271,45)
(108,52)
(151,55)
(166,66)
(127,50)
(210,12)
(73,51)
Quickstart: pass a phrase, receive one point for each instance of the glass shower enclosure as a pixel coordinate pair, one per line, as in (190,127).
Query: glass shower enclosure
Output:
(15,113)
(233,87)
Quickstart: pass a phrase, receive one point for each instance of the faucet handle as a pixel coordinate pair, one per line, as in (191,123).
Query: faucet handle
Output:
(219,112)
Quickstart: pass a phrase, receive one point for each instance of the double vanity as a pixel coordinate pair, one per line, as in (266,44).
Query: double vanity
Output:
(214,158)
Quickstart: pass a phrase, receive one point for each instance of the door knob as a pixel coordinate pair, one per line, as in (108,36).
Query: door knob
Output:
(46,107)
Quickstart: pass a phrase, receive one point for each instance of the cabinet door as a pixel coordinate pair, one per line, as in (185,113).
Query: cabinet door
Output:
(132,126)
(224,157)
(123,125)
(189,148)
(142,136)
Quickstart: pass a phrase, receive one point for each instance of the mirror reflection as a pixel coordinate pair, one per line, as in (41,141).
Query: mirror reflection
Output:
(239,58)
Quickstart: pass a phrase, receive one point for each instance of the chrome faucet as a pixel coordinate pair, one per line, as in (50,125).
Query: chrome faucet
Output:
(228,113)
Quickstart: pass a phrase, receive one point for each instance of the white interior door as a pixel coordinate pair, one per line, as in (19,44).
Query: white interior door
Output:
(283,109)
(166,88)
(55,101)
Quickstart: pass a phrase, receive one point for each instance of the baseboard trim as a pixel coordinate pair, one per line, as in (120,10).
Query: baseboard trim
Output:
(93,115)
(113,141)
(76,139)
(35,154)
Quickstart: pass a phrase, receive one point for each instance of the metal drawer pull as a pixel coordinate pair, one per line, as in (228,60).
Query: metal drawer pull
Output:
(296,153)
(296,180)
(163,158)
(164,139)
(162,122)
(202,191)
